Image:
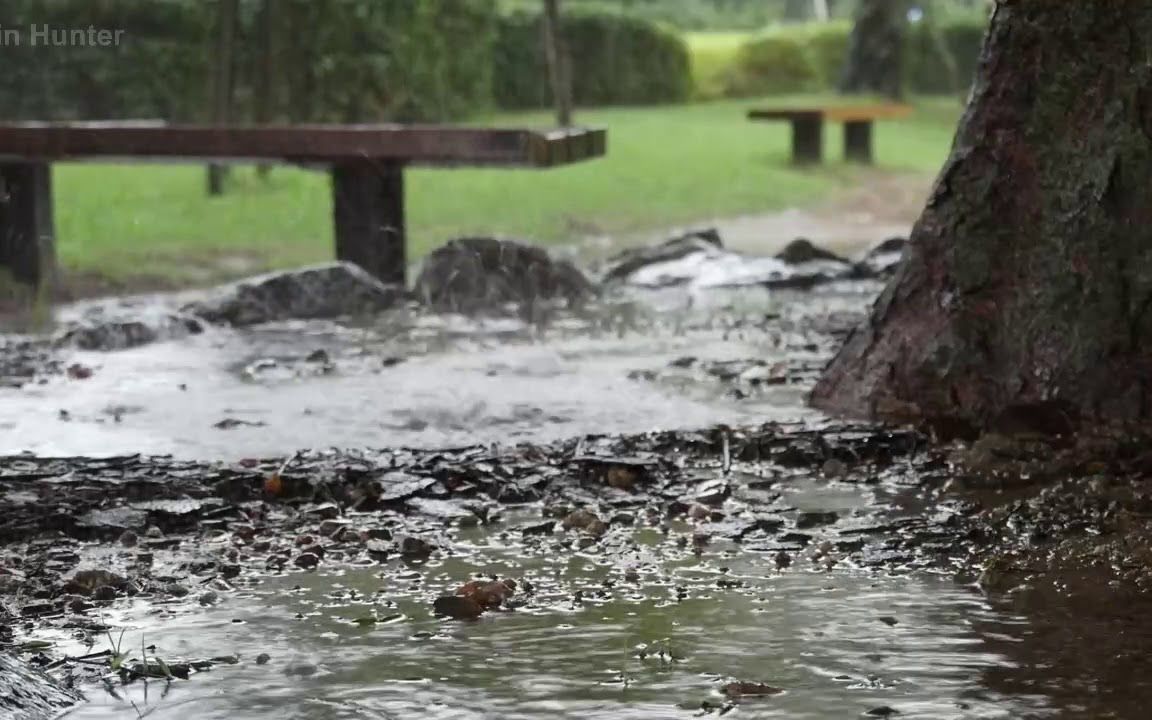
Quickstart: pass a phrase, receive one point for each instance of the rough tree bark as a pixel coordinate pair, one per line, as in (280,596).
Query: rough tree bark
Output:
(559,63)
(875,62)
(1026,290)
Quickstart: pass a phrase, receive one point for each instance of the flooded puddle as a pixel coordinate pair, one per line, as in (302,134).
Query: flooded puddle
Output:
(638,627)
(421,380)
(654,620)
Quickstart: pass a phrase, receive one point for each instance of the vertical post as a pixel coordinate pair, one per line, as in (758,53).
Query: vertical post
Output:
(27,232)
(559,63)
(858,141)
(808,139)
(368,214)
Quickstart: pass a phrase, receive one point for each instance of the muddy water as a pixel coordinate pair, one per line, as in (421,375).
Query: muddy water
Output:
(638,626)
(417,380)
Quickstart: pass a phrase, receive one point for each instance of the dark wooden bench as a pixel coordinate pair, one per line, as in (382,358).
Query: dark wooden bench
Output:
(366,164)
(808,128)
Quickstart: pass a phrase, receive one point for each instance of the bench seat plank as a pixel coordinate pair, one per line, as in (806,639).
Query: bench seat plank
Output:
(429,145)
(365,162)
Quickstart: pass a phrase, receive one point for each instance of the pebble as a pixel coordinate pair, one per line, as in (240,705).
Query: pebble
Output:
(307,560)
(457,607)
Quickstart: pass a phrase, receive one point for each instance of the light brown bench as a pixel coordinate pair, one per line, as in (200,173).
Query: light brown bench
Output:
(808,128)
(366,164)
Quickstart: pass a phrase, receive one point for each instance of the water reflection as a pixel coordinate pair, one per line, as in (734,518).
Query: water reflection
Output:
(838,643)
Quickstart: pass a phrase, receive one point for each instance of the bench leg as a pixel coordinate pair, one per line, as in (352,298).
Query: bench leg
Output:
(858,142)
(368,213)
(27,232)
(807,141)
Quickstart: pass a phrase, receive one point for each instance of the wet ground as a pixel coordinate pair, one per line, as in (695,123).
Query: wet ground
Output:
(413,378)
(719,566)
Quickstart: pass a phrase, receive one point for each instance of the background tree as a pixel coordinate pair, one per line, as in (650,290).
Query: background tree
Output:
(875,62)
(559,62)
(223,80)
(1026,292)
(265,97)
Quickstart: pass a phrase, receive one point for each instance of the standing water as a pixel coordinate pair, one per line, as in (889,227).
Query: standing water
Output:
(657,620)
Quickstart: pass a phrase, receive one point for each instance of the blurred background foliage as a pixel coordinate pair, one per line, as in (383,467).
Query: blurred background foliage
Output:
(443,60)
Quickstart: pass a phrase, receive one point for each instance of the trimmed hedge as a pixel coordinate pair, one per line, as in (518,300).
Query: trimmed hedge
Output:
(811,57)
(337,60)
(776,64)
(159,69)
(616,60)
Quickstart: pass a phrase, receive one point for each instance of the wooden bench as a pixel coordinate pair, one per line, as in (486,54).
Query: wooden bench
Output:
(366,164)
(808,128)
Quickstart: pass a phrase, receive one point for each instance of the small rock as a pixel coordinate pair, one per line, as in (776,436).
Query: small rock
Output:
(86,582)
(834,468)
(76,371)
(230,423)
(326,511)
(301,670)
(307,560)
(174,589)
(329,528)
(104,593)
(488,594)
(263,658)
(208,598)
(471,275)
(806,520)
(128,538)
(802,250)
(783,560)
(580,520)
(416,548)
(542,528)
(457,607)
(318,356)
(882,711)
(622,477)
(749,689)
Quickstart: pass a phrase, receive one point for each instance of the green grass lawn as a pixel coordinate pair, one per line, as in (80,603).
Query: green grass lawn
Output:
(665,166)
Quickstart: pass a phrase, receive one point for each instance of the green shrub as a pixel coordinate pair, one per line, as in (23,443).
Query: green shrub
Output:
(810,57)
(336,60)
(828,48)
(616,60)
(773,64)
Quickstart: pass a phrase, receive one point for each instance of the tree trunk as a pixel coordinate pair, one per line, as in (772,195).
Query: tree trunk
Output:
(222,80)
(797,10)
(875,62)
(1026,290)
(559,63)
(266,97)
